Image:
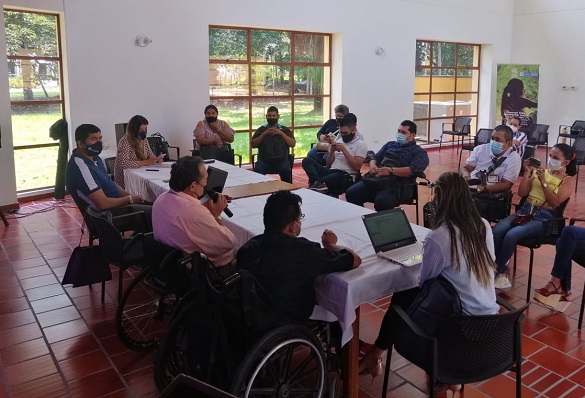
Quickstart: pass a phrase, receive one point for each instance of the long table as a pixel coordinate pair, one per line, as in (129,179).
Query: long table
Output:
(338,295)
(151,181)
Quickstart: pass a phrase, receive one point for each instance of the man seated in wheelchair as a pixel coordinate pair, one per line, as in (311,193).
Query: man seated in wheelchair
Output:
(346,156)
(181,221)
(285,264)
(496,165)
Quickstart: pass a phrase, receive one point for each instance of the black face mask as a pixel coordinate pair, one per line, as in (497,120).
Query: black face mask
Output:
(347,137)
(272,122)
(94,149)
(339,120)
(142,135)
(211,119)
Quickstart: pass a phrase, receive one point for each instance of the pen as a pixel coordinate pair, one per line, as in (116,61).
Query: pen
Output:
(151,170)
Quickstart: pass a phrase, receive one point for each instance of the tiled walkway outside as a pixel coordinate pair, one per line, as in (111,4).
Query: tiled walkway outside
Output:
(61,342)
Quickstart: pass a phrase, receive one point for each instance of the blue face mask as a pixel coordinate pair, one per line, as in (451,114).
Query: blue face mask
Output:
(496,147)
(400,138)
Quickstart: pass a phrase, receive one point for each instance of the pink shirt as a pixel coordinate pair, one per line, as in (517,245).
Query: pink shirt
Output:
(181,221)
(126,158)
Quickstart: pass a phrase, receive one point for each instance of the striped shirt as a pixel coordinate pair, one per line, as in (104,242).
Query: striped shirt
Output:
(127,158)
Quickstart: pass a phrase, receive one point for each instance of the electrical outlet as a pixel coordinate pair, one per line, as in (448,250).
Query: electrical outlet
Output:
(573,88)
(565,87)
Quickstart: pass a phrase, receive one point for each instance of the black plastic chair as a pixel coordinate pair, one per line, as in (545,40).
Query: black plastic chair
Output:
(460,128)
(575,130)
(291,160)
(538,136)
(549,233)
(581,261)
(110,164)
(82,206)
(579,148)
(227,156)
(468,348)
(483,136)
(118,250)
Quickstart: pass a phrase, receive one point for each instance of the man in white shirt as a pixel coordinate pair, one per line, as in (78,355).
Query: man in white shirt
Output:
(346,156)
(501,163)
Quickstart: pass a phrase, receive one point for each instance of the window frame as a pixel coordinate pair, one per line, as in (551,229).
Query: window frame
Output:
(250,98)
(60,101)
(430,73)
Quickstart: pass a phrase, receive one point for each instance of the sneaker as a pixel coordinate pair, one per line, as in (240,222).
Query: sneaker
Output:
(319,187)
(502,282)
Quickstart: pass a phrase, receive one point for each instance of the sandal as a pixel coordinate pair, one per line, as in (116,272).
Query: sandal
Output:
(543,291)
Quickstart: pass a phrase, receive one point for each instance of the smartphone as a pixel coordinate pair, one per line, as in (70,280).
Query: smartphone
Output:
(534,162)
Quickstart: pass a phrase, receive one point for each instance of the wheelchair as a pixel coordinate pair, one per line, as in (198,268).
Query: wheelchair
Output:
(147,304)
(227,336)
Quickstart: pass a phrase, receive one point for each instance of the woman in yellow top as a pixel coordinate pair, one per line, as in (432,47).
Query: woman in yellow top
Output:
(133,149)
(546,190)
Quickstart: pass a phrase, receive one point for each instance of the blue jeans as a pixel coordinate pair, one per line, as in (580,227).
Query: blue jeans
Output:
(506,237)
(570,246)
(317,156)
(280,167)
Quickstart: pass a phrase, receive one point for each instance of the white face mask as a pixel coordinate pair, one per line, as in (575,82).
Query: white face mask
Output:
(554,164)
(514,128)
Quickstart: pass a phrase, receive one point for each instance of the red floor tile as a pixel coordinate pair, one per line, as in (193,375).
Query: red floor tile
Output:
(24,351)
(47,387)
(84,365)
(74,346)
(96,385)
(30,370)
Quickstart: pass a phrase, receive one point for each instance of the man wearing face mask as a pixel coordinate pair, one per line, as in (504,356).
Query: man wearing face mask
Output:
(286,265)
(212,135)
(327,134)
(133,149)
(87,178)
(501,163)
(181,220)
(346,156)
(273,141)
(498,153)
(388,182)
(519,139)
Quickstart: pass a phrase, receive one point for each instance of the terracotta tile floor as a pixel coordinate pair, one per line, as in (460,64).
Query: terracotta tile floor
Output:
(60,342)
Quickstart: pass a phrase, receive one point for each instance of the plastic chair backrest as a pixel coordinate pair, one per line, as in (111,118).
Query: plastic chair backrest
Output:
(578,127)
(483,136)
(110,163)
(462,124)
(540,134)
(579,148)
(111,240)
(82,206)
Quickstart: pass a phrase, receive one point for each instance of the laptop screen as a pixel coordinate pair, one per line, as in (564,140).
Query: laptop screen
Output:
(389,229)
(216,179)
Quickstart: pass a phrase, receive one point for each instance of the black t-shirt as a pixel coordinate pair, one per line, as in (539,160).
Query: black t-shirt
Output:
(286,268)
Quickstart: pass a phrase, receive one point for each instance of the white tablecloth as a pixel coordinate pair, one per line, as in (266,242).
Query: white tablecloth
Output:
(338,294)
(149,181)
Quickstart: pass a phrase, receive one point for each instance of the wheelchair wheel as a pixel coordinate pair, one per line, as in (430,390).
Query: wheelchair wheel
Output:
(143,313)
(286,362)
(168,360)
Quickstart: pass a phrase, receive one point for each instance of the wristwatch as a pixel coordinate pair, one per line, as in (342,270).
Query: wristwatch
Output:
(545,185)
(391,169)
(218,218)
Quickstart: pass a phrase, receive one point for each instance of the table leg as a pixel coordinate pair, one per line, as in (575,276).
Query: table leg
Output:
(350,361)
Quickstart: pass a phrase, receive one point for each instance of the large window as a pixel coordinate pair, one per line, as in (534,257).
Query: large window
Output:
(446,85)
(36,94)
(252,69)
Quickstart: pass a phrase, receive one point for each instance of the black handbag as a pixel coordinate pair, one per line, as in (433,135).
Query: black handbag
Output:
(87,265)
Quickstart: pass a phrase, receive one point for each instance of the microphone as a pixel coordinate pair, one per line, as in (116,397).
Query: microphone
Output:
(213,196)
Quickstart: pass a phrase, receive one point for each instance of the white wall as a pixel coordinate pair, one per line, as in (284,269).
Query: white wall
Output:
(110,79)
(550,33)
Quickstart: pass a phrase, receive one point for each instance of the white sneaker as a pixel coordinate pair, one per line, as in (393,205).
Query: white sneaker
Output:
(502,282)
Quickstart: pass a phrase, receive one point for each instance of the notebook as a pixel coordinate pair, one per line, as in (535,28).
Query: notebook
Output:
(393,238)
(216,179)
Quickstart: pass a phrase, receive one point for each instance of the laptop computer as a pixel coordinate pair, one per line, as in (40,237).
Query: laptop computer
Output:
(393,238)
(216,179)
